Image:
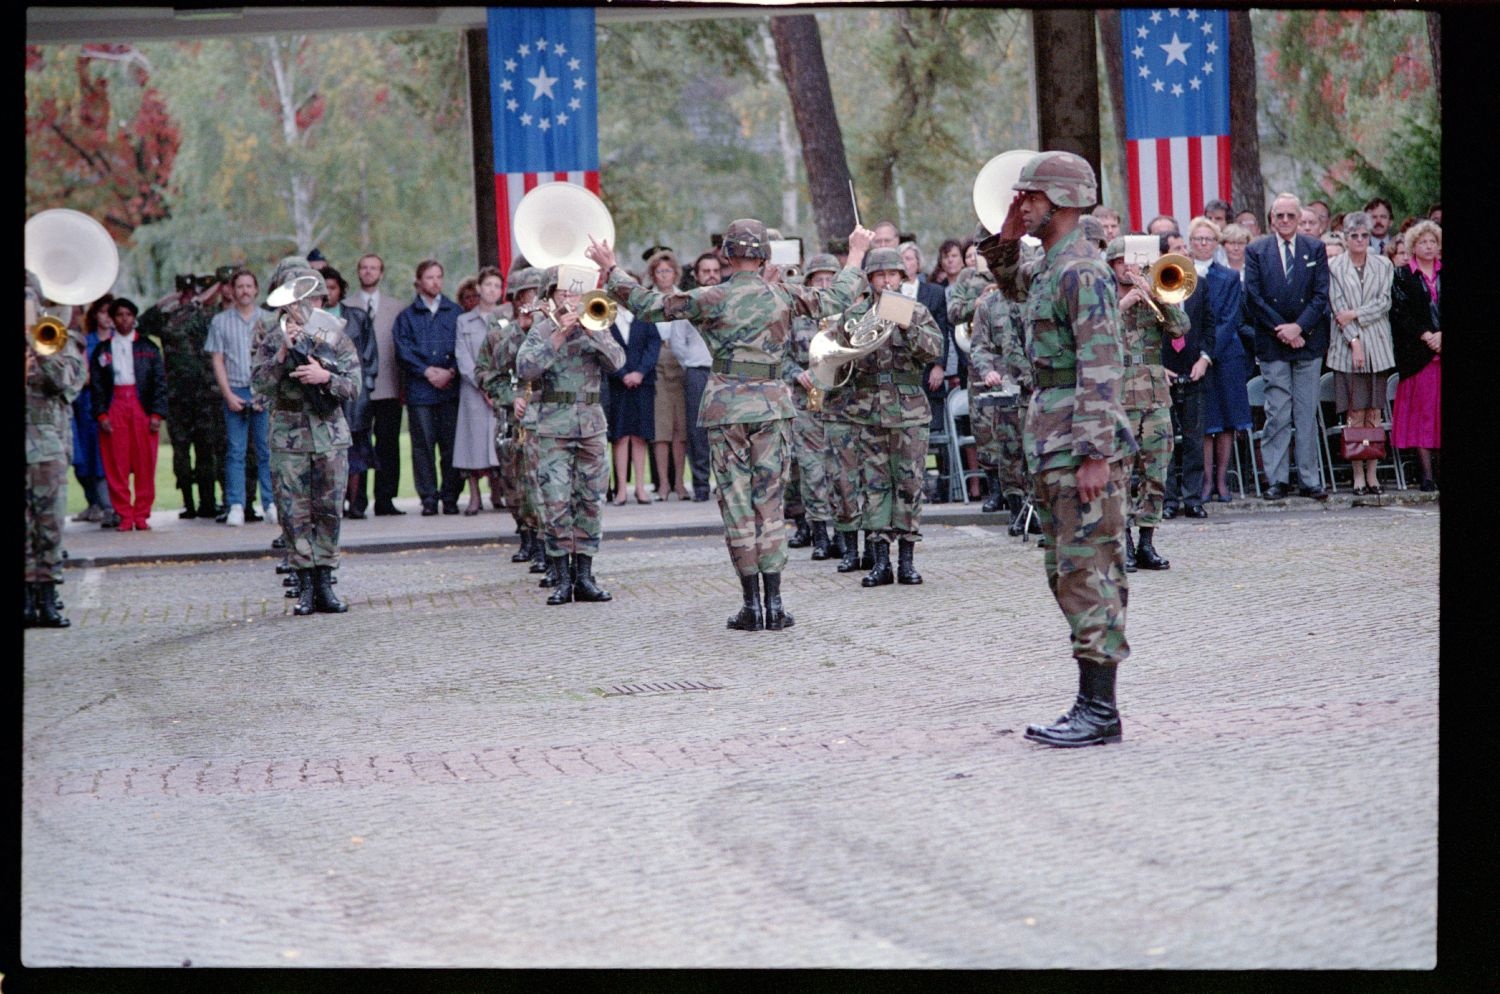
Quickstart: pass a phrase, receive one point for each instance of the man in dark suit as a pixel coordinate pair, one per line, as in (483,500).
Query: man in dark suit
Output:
(1286,287)
(1187,360)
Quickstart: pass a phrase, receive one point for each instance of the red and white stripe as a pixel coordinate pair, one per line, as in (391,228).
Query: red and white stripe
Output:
(1176,177)
(511,187)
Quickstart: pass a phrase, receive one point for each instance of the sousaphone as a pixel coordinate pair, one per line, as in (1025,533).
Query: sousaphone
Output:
(554,222)
(993,191)
(73,257)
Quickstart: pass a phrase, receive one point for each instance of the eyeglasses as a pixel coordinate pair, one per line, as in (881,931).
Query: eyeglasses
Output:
(1202,239)
(1281,217)
(1357,236)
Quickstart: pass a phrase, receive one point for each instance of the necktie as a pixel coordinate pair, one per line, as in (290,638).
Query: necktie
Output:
(1286,257)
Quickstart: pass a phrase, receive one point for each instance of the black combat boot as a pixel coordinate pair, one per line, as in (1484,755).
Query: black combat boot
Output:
(867,557)
(326,601)
(802,538)
(777,617)
(1129,551)
(523,554)
(31,616)
(850,558)
(554,569)
(820,540)
(284,566)
(584,587)
(189,511)
(750,618)
(293,583)
(305,602)
(1146,556)
(562,570)
(906,572)
(1014,504)
(539,563)
(880,567)
(996,500)
(48,608)
(1094,719)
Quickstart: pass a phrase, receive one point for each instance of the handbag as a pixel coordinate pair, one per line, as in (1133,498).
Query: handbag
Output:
(1363,443)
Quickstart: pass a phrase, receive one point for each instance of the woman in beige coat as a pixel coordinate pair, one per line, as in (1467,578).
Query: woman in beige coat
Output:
(1359,350)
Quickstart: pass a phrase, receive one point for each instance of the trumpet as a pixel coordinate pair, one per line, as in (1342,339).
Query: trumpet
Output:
(597,311)
(1171,280)
(47,336)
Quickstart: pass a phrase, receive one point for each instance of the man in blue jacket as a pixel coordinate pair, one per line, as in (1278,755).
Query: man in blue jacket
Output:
(424,334)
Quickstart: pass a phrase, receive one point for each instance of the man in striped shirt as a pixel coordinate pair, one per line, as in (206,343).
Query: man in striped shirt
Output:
(228,345)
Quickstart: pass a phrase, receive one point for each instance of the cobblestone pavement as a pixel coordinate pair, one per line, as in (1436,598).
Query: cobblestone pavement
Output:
(455,774)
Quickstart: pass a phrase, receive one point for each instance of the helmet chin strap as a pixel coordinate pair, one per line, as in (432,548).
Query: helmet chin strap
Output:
(1045,222)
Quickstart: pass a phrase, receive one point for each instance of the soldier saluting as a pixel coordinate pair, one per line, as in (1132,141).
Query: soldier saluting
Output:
(1076,435)
(747,407)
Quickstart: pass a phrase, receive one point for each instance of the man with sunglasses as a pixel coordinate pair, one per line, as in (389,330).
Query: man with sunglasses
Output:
(1286,287)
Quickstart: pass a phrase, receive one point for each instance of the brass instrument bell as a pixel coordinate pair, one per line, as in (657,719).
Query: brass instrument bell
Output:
(596,310)
(47,336)
(1173,278)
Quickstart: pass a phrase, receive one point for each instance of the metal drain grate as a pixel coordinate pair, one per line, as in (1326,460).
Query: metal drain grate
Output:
(648,689)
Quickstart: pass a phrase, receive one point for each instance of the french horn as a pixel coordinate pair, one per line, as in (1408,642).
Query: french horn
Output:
(839,343)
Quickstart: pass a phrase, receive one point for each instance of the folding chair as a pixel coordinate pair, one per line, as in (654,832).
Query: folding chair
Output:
(939,443)
(957,406)
(1256,391)
(1388,422)
(1325,396)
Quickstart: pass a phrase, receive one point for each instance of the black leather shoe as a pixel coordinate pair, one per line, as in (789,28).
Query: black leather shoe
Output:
(278,544)
(305,592)
(584,587)
(450,508)
(777,617)
(354,514)
(1168,511)
(188,512)
(749,618)
(849,561)
(324,599)
(1313,493)
(1146,556)
(1276,491)
(820,540)
(1094,719)
(906,571)
(880,569)
(428,510)
(562,592)
(1429,486)
(112,520)
(1195,511)
(1130,566)
(385,508)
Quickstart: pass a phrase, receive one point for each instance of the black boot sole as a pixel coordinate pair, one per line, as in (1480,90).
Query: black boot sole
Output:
(1040,738)
(779,623)
(739,623)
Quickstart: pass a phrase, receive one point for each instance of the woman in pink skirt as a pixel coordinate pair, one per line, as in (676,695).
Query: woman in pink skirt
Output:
(1416,333)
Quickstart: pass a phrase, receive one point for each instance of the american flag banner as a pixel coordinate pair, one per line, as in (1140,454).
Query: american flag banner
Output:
(543,106)
(1176,111)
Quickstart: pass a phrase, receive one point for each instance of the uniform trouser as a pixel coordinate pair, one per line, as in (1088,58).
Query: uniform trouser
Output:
(531,480)
(1152,427)
(1013,476)
(984,425)
(843,469)
(749,461)
(512,453)
(810,452)
(46,506)
(129,449)
(433,430)
(1292,391)
(893,461)
(792,488)
(199,447)
(1185,472)
(385,426)
(1085,560)
(310,501)
(573,473)
(694,380)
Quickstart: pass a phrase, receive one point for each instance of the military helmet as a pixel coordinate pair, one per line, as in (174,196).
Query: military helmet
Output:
(881,259)
(1092,229)
(1115,250)
(1066,179)
(746,239)
(820,263)
(525,278)
(549,282)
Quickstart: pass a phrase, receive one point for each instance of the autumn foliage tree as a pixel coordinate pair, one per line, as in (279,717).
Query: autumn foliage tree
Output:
(92,150)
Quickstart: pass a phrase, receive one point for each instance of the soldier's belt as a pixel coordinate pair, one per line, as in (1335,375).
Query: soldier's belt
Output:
(900,377)
(1136,360)
(1047,378)
(569,397)
(751,370)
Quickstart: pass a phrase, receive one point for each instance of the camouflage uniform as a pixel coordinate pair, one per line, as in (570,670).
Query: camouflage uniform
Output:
(995,412)
(1076,356)
(1148,404)
(809,441)
(195,408)
(51,387)
(309,445)
(747,408)
(495,370)
(569,428)
(893,416)
(841,462)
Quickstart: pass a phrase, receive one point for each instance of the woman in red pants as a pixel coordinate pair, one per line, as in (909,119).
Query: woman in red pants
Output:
(128,381)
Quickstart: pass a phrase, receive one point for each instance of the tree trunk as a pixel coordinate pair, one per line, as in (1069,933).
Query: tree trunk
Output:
(789,221)
(1247,185)
(1067,82)
(1435,42)
(300,187)
(1114,71)
(799,50)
